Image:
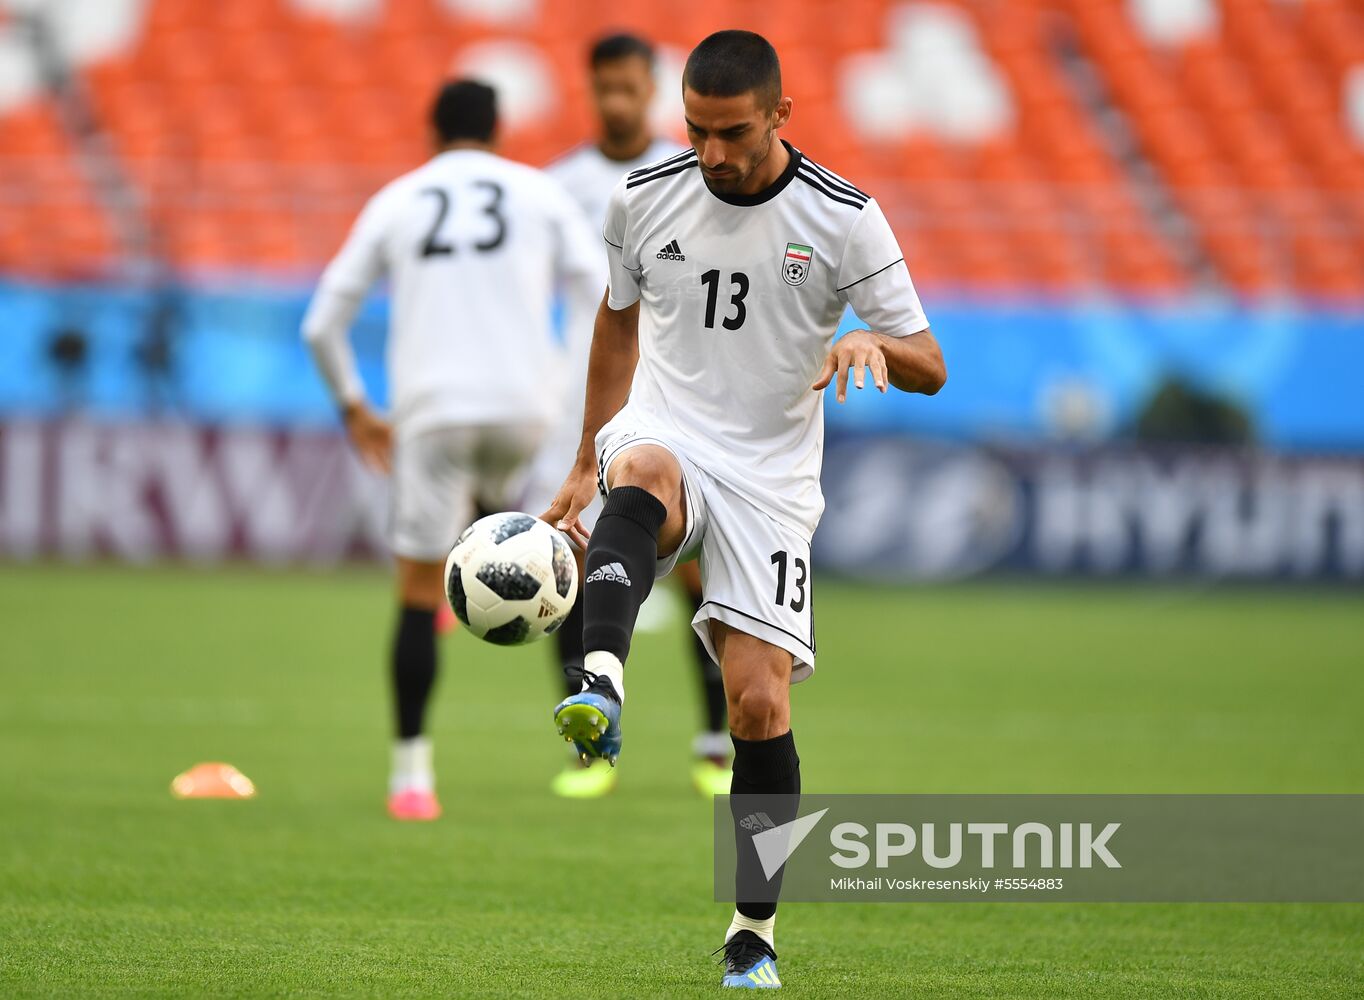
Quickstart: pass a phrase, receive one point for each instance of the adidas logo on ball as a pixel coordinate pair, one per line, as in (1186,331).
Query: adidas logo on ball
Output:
(610,573)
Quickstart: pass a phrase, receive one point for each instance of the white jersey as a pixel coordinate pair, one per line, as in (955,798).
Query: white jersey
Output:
(474,247)
(589,176)
(740,299)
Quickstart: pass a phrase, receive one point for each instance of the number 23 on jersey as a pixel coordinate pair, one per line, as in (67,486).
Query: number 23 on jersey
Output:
(438,244)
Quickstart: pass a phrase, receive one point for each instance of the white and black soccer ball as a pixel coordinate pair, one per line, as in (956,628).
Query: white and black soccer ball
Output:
(511,579)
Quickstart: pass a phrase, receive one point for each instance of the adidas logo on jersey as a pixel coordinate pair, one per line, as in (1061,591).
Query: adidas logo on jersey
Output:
(671,252)
(610,573)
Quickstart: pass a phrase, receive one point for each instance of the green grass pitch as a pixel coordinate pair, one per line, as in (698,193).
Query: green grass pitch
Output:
(112,680)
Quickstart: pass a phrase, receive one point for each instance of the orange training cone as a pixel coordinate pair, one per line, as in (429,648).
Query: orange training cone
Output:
(212,781)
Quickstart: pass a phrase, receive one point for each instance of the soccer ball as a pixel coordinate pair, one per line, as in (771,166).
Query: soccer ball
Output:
(511,579)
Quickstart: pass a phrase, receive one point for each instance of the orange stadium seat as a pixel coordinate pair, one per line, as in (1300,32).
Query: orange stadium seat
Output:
(1334,29)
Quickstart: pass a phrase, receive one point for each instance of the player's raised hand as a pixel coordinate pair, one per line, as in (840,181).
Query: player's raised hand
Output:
(860,351)
(371,435)
(572,499)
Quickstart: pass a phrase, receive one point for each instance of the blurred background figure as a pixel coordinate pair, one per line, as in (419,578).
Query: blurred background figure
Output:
(474,247)
(621,69)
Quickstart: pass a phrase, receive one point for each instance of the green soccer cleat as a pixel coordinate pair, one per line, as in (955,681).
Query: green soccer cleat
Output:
(591,720)
(711,779)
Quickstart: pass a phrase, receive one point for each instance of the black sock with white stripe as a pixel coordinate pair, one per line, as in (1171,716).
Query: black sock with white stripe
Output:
(621,558)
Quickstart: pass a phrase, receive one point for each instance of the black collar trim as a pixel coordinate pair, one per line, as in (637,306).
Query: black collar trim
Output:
(769,192)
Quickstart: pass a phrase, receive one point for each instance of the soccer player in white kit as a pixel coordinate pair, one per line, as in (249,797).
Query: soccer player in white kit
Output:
(731,264)
(622,81)
(475,247)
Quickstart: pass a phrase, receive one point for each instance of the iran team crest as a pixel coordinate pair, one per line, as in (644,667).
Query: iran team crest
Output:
(795,266)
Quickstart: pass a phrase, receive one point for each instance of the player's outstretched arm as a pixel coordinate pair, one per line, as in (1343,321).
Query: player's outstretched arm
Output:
(611,367)
(914,363)
(911,364)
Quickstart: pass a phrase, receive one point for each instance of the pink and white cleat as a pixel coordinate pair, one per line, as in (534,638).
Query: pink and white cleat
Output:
(414,804)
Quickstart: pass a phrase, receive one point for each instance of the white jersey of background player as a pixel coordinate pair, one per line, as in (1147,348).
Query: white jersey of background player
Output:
(589,176)
(621,70)
(623,87)
(474,247)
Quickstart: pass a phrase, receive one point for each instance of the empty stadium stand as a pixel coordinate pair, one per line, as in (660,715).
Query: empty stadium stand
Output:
(245,135)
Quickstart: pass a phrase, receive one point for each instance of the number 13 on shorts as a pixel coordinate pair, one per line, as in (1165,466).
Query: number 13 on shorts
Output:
(782,560)
(756,578)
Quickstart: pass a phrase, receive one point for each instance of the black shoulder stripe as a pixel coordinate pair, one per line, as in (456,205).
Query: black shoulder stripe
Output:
(835,179)
(681,155)
(655,167)
(836,182)
(636,182)
(841,199)
(872,275)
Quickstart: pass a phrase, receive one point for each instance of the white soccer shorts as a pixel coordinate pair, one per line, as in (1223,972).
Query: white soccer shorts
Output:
(755,571)
(442,477)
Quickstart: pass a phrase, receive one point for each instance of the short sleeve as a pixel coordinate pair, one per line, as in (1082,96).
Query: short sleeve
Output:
(625,269)
(874,280)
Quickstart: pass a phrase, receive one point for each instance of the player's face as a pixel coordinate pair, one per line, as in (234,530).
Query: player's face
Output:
(732,136)
(622,90)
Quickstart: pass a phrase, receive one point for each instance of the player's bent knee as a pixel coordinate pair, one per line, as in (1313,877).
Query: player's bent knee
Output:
(651,469)
(655,471)
(759,712)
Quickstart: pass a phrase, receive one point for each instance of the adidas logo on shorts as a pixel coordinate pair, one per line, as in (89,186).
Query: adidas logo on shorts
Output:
(610,573)
(671,252)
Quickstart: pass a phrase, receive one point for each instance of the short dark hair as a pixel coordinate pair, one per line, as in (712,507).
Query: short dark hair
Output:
(465,109)
(730,63)
(619,46)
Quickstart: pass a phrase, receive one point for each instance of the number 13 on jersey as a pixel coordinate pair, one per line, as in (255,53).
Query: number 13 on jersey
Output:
(738,288)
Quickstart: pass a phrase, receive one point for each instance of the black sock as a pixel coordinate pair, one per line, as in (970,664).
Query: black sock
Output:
(768,768)
(414,668)
(712,682)
(621,558)
(570,641)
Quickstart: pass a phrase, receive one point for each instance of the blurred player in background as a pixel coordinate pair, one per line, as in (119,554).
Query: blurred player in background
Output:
(622,71)
(730,265)
(474,247)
